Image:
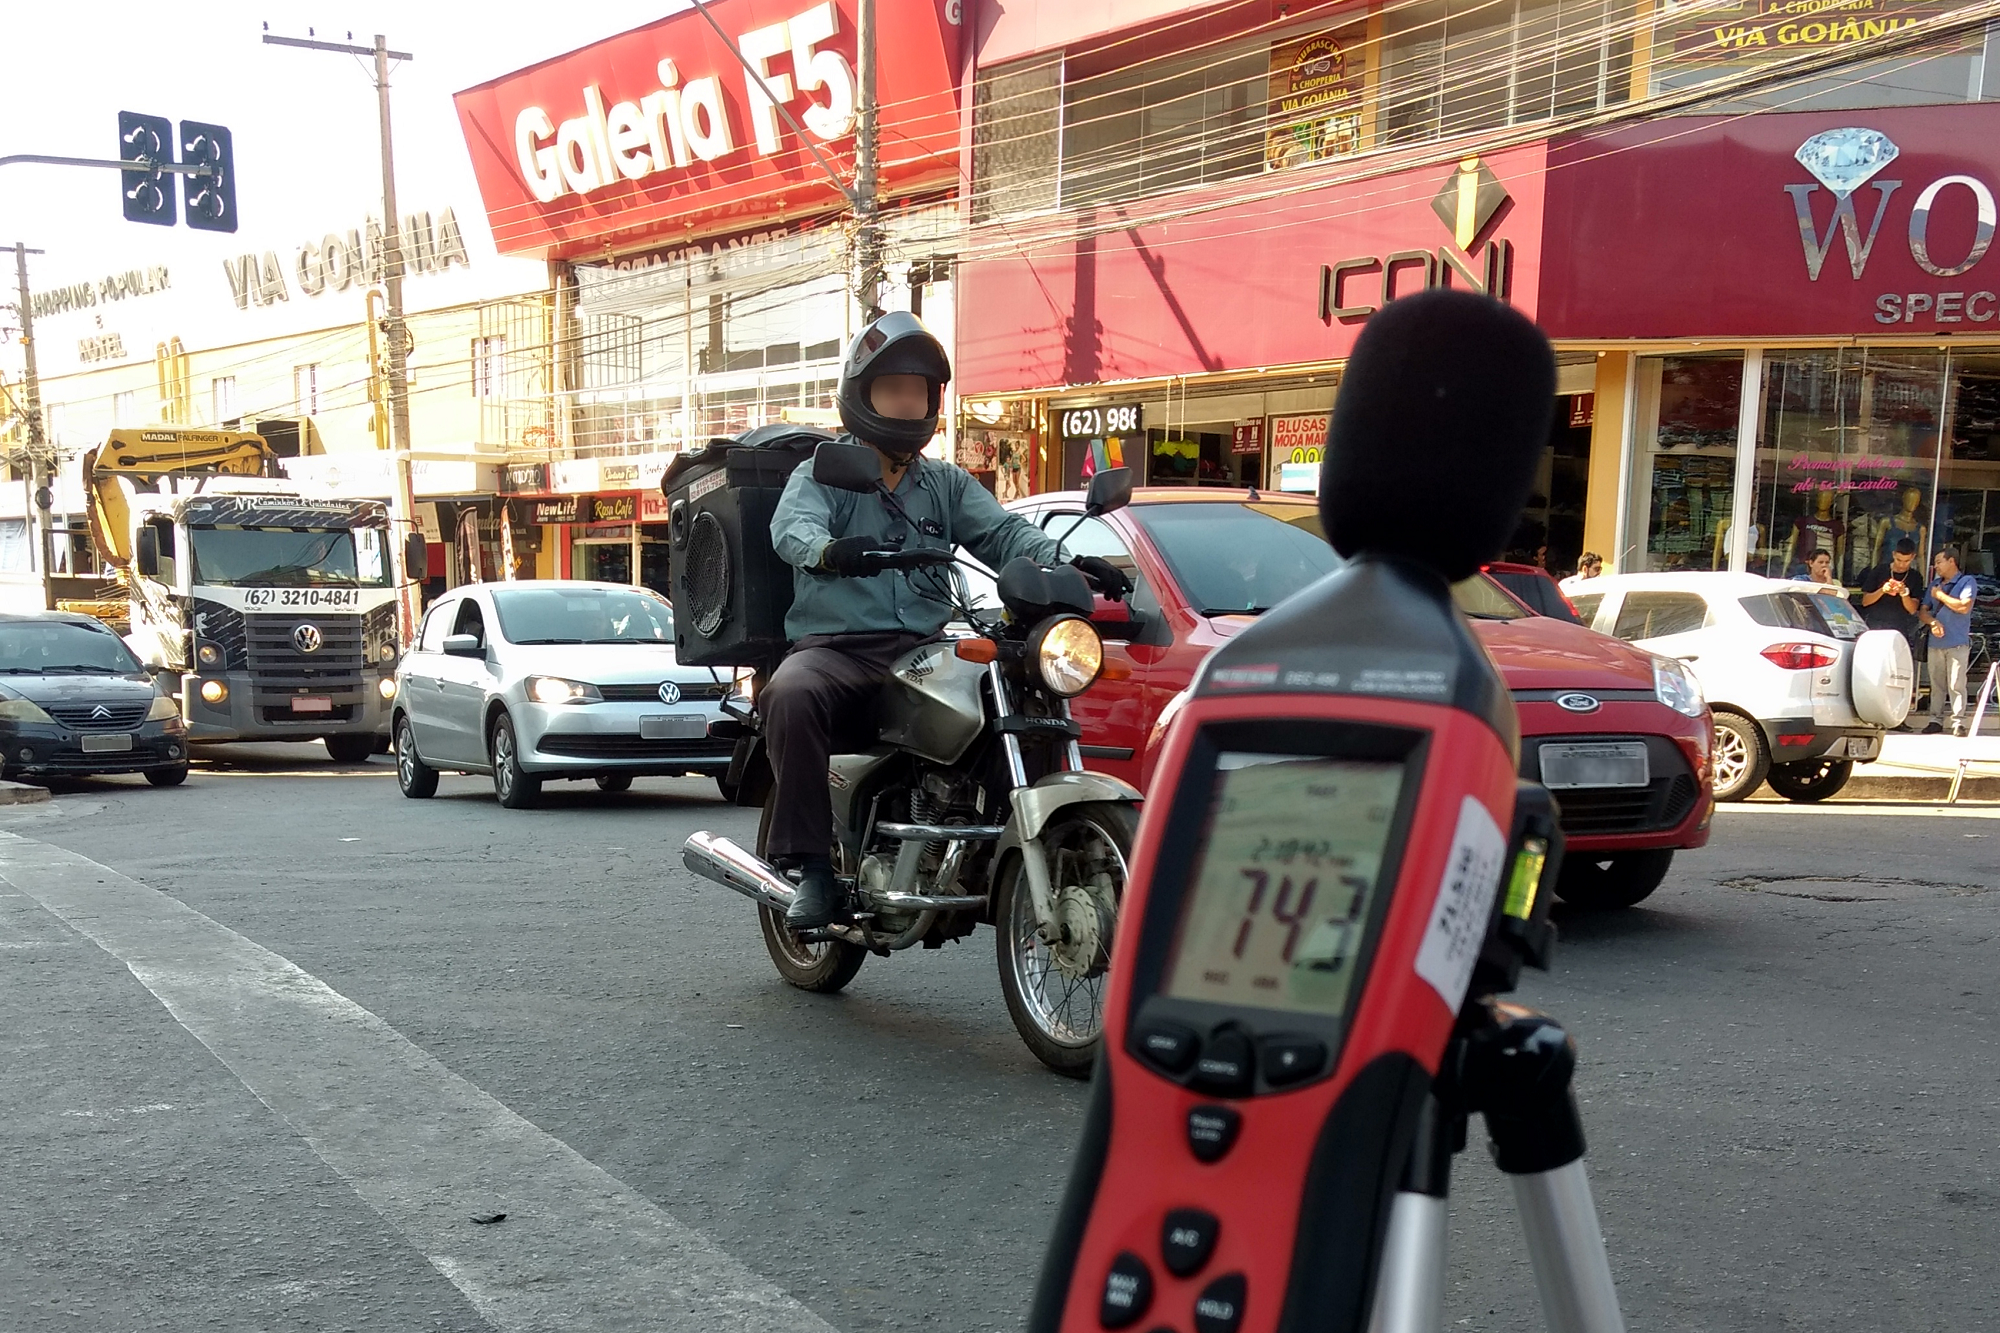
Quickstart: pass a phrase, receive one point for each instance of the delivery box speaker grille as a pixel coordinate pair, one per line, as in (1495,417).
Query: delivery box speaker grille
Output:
(729,588)
(707,581)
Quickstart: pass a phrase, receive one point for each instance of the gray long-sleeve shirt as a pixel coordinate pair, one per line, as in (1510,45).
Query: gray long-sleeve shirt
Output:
(947,508)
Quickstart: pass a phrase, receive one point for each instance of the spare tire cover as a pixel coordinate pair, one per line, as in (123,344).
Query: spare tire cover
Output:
(1883,677)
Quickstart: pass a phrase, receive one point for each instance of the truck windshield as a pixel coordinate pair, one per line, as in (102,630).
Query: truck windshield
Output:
(292,558)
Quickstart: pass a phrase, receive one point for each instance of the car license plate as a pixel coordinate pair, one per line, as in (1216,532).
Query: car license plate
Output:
(316,703)
(1596,764)
(1855,747)
(106,744)
(673,727)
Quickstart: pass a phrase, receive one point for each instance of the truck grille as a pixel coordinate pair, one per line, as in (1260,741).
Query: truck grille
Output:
(115,717)
(279,669)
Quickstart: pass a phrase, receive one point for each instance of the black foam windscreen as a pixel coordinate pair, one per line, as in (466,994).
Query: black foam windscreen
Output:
(1436,432)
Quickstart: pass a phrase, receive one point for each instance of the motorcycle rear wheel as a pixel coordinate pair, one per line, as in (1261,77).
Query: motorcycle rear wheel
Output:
(1060,1013)
(825,967)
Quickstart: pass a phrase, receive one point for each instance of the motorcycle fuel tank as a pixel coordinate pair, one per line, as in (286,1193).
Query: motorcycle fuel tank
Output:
(930,705)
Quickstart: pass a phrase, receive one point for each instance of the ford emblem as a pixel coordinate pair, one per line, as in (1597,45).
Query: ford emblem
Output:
(1576,702)
(670,693)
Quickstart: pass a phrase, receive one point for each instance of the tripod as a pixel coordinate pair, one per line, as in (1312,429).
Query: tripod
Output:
(1513,1066)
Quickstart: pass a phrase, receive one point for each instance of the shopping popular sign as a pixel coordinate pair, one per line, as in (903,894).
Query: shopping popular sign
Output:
(675,129)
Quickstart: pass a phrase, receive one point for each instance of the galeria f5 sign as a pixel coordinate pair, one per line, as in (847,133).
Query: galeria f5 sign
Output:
(680,123)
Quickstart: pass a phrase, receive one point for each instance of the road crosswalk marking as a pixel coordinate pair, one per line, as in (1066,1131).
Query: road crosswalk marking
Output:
(580,1251)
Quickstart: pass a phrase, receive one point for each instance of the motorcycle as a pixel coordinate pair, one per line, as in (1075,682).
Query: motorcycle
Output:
(974,806)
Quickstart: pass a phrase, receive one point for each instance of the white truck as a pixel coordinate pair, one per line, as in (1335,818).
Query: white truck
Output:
(277,611)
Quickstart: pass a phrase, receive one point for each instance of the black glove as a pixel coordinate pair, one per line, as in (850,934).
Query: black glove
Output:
(1104,576)
(848,557)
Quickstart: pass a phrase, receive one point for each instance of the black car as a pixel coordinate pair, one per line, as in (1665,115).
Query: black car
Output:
(74,701)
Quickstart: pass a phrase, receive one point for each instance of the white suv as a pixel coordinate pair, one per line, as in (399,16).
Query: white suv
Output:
(1799,685)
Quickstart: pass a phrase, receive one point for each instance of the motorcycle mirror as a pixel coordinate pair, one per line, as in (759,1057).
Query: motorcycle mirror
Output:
(847,467)
(1109,489)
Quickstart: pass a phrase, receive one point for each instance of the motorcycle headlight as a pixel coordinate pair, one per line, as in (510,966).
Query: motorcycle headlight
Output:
(745,685)
(163,708)
(1675,686)
(22,710)
(556,690)
(1068,653)
(208,655)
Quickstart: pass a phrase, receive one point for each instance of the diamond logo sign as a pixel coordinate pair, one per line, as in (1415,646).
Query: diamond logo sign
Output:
(1843,160)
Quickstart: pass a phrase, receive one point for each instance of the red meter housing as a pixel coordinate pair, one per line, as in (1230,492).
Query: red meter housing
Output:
(1314,881)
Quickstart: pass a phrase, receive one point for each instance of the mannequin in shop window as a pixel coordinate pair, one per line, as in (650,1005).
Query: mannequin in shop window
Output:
(1907,523)
(1720,555)
(1818,530)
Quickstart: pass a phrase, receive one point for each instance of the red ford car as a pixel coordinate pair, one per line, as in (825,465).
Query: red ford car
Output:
(1620,736)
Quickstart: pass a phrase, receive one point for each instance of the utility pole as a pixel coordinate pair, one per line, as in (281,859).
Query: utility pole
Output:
(38,462)
(395,332)
(868,275)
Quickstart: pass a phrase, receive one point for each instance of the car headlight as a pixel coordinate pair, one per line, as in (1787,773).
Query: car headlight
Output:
(386,687)
(1675,686)
(1068,654)
(22,710)
(163,708)
(556,690)
(209,655)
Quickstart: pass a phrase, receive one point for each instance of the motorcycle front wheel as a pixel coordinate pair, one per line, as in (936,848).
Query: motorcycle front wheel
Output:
(1055,993)
(824,967)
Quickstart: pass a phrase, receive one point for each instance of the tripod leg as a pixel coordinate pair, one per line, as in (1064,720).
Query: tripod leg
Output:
(1567,1250)
(1409,1289)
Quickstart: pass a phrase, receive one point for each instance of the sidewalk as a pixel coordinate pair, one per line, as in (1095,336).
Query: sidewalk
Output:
(1915,767)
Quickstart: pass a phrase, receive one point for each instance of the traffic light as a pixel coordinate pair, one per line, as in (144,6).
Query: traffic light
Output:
(149,194)
(211,199)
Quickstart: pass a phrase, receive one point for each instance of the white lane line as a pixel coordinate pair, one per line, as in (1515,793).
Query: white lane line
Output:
(1883,808)
(579,1252)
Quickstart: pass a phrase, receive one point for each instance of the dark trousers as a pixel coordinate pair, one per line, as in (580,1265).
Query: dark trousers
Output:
(820,702)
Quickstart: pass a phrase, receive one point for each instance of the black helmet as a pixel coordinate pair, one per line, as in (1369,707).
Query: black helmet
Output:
(895,344)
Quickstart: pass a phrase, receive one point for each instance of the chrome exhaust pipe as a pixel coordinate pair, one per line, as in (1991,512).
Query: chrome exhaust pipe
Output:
(717,858)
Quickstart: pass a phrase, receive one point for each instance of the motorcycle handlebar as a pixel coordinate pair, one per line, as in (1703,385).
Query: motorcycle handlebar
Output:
(911,559)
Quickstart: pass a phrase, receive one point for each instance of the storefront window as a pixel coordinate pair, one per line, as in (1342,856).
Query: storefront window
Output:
(1685,464)
(1847,456)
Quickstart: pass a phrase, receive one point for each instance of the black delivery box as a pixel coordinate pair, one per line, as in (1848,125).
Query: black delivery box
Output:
(729,588)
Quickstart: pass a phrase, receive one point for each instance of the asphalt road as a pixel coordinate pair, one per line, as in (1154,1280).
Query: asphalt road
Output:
(1789,1076)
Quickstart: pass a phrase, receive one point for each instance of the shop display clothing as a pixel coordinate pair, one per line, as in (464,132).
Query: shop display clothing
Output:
(1810,531)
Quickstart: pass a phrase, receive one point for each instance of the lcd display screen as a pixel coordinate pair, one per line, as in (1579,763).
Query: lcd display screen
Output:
(1282,882)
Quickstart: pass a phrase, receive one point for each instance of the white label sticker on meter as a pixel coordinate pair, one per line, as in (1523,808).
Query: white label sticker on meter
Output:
(1464,903)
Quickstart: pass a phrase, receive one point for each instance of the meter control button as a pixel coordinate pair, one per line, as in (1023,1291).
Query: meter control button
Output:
(1219,1308)
(1225,1065)
(1187,1238)
(1212,1132)
(1169,1046)
(1128,1290)
(1291,1059)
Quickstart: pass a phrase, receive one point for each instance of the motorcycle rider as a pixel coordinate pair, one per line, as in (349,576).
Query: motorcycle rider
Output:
(850,618)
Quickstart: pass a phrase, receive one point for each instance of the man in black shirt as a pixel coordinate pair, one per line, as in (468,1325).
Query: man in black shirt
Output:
(1888,598)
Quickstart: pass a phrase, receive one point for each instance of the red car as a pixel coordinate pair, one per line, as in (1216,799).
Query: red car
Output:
(1621,736)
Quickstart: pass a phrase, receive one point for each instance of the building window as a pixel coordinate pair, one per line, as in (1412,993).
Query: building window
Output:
(55,417)
(222,400)
(125,408)
(1684,471)
(305,389)
(611,351)
(1139,129)
(1017,138)
(489,367)
(1456,66)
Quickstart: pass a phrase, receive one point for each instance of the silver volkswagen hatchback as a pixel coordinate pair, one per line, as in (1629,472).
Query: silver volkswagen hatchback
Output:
(554,678)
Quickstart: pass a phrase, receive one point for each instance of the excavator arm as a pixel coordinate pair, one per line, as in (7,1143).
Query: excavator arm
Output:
(135,459)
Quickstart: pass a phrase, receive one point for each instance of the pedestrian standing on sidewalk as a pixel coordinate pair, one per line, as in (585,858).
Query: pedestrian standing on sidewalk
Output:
(1947,611)
(1888,599)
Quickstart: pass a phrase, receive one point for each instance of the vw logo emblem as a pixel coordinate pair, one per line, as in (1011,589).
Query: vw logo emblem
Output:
(1578,703)
(100,713)
(670,693)
(307,638)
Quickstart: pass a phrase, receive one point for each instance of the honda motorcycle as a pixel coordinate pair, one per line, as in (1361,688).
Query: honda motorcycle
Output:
(974,806)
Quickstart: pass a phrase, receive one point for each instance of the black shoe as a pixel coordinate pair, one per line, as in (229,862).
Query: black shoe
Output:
(1934,728)
(818,900)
